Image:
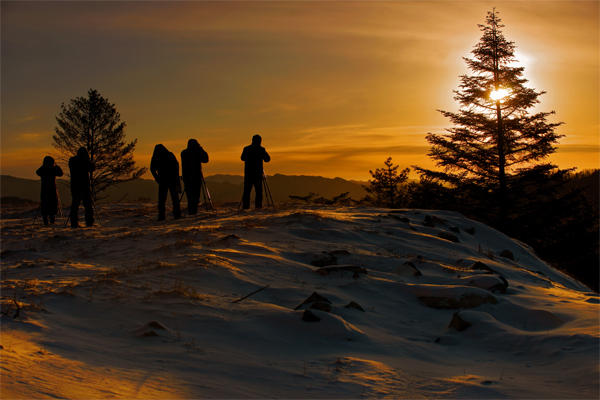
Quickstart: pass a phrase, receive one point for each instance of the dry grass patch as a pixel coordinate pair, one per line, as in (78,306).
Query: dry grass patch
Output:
(179,288)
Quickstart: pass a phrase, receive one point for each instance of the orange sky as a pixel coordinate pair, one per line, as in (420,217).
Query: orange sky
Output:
(334,88)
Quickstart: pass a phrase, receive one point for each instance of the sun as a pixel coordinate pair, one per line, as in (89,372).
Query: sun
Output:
(498,94)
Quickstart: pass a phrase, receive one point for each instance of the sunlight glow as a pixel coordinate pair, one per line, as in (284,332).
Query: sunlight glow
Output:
(499,94)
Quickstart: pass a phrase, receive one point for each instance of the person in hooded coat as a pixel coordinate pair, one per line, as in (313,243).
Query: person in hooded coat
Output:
(191,171)
(49,197)
(253,156)
(80,168)
(165,169)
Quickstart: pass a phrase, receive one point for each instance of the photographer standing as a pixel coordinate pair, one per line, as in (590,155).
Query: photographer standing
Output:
(253,156)
(191,171)
(165,169)
(49,197)
(80,168)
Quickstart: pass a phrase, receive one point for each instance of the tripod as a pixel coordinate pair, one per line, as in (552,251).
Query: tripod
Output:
(62,214)
(205,194)
(95,209)
(266,190)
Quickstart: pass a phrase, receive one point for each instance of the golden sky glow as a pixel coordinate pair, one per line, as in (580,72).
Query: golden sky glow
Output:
(334,88)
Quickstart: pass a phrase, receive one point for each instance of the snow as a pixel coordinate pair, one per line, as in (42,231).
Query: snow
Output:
(139,309)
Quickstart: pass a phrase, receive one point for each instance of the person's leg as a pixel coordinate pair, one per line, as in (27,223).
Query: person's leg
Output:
(248,183)
(193,195)
(258,190)
(47,207)
(86,198)
(175,201)
(162,199)
(54,204)
(75,201)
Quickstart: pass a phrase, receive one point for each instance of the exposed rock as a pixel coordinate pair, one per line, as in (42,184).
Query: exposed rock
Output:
(470,300)
(471,230)
(448,236)
(507,254)
(492,283)
(408,269)
(149,329)
(228,237)
(399,218)
(354,305)
(156,325)
(309,316)
(454,229)
(482,267)
(412,228)
(340,253)
(323,260)
(428,222)
(458,323)
(438,221)
(350,268)
(321,306)
(501,287)
(312,298)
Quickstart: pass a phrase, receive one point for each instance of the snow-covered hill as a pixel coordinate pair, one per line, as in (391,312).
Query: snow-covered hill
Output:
(346,303)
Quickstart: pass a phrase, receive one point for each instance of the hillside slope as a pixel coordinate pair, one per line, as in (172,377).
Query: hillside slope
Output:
(408,304)
(222,188)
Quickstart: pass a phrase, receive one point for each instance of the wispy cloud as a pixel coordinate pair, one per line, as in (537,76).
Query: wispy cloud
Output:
(32,137)
(24,120)
(578,148)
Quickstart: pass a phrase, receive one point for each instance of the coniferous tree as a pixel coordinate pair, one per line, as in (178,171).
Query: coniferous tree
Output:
(496,148)
(95,124)
(385,185)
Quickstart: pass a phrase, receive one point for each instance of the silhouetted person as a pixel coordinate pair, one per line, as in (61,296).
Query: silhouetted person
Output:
(165,169)
(253,156)
(49,197)
(191,171)
(80,167)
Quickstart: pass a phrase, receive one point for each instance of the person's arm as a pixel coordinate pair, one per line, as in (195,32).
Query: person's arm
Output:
(39,171)
(203,156)
(58,171)
(175,165)
(266,157)
(184,166)
(244,155)
(153,169)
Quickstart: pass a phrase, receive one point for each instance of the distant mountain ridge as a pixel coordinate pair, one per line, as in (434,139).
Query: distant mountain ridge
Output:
(222,188)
